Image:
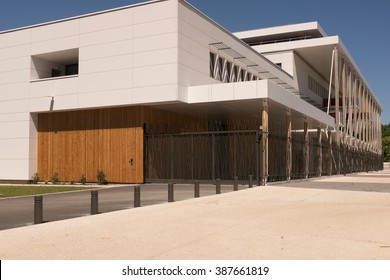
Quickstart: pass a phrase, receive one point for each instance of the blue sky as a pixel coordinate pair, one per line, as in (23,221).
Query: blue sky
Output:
(362,25)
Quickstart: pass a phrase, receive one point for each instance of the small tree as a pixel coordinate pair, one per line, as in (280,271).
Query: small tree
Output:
(54,178)
(101,177)
(35,178)
(82,179)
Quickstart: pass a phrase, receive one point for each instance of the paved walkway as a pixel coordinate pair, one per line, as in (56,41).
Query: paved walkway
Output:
(329,218)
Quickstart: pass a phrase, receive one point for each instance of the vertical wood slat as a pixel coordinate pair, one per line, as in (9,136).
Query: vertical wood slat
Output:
(306,148)
(319,151)
(81,142)
(289,146)
(265,141)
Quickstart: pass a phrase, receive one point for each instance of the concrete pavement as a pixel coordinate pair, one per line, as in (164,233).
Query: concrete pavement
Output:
(19,211)
(328,218)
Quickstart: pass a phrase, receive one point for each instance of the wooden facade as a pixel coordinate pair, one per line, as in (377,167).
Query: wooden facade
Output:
(83,142)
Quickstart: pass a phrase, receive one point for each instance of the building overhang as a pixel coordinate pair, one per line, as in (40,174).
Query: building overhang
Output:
(243,100)
(316,50)
(276,34)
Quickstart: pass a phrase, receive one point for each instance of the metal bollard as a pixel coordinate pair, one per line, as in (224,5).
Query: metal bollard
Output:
(137,196)
(38,209)
(170,193)
(218,186)
(250,181)
(235,188)
(94,202)
(197,189)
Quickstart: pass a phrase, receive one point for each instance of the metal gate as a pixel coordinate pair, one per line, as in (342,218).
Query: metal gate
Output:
(184,157)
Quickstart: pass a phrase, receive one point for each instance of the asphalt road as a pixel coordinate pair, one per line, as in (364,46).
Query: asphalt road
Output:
(19,212)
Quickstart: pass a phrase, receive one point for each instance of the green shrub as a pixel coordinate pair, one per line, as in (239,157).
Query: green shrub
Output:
(35,178)
(82,179)
(54,179)
(101,177)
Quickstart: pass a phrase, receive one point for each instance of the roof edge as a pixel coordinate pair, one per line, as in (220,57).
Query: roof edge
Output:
(81,16)
(289,28)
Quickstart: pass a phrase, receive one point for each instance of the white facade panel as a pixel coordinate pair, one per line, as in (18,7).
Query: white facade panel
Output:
(41,89)
(107,20)
(158,42)
(15,169)
(42,33)
(247,90)
(227,92)
(155,75)
(66,43)
(21,153)
(153,28)
(54,87)
(65,102)
(158,57)
(14,91)
(286,59)
(13,77)
(105,50)
(110,80)
(14,117)
(155,94)
(157,11)
(15,130)
(15,52)
(67,29)
(42,47)
(105,64)
(14,64)
(105,98)
(14,106)
(199,94)
(106,36)
(65,86)
(193,47)
(222,92)
(14,39)
(191,76)
(41,104)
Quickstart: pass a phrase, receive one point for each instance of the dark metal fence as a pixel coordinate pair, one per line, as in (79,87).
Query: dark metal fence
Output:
(209,151)
(200,156)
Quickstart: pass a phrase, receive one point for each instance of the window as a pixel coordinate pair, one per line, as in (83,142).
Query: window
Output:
(55,64)
(279,65)
(317,88)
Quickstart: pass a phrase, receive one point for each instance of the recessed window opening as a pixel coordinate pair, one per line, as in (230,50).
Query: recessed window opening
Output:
(55,64)
(227,71)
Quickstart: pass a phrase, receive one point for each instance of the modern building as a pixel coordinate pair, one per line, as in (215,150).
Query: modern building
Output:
(159,91)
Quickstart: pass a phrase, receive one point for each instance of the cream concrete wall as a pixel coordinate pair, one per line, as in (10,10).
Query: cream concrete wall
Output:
(285,58)
(303,70)
(196,33)
(300,70)
(126,56)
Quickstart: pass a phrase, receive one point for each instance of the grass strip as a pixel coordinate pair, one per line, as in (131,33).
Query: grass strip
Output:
(13,191)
